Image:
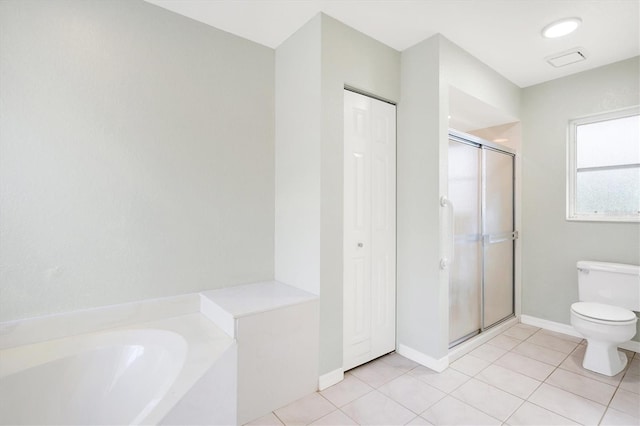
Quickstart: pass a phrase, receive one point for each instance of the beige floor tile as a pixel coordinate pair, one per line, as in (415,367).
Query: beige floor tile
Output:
(268,420)
(568,405)
(412,393)
(531,415)
(335,418)
(525,365)
(581,385)
(446,381)
(347,390)
(504,342)
(561,335)
(634,366)
(579,350)
(488,352)
(552,342)
(627,402)
(540,353)
(573,363)
(617,418)
(520,331)
(419,421)
(450,411)
(629,353)
(377,409)
(509,381)
(631,383)
(305,410)
(377,373)
(399,361)
(488,399)
(470,365)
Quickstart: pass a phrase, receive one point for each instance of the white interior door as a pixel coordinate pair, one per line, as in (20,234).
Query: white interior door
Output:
(369,229)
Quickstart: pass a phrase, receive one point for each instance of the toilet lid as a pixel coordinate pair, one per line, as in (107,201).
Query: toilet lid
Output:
(604,312)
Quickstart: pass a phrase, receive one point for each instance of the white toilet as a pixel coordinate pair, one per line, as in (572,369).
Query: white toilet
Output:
(608,294)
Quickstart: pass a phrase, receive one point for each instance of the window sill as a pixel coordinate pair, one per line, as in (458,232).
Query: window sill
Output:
(614,219)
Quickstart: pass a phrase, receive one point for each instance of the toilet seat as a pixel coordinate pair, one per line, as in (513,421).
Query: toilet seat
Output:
(603,314)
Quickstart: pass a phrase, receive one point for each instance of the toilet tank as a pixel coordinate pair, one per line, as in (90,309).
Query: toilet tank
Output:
(610,283)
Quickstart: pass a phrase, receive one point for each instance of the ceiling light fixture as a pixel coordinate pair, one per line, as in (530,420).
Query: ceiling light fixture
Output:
(561,28)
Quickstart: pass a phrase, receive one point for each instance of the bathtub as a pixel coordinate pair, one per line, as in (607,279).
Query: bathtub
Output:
(134,374)
(220,357)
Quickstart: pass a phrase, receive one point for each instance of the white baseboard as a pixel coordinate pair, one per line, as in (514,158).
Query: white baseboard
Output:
(550,325)
(631,345)
(330,379)
(438,365)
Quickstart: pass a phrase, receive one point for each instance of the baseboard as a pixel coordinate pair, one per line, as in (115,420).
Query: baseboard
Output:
(631,345)
(330,379)
(438,365)
(550,325)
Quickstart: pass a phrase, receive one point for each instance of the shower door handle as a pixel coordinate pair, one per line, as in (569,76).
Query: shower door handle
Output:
(499,237)
(450,253)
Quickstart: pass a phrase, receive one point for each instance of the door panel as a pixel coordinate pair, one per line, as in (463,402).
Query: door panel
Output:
(498,240)
(383,229)
(466,269)
(369,229)
(498,282)
(357,215)
(498,193)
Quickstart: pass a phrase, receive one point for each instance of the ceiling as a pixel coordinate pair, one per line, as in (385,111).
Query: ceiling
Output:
(504,34)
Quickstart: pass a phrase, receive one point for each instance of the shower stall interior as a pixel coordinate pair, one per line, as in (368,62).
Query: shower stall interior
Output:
(482,226)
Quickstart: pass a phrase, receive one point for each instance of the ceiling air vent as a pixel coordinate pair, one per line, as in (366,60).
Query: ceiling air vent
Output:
(566,58)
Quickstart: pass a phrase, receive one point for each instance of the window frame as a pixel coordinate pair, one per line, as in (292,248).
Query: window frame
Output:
(571,192)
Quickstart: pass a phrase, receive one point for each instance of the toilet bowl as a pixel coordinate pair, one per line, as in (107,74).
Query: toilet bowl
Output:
(608,294)
(605,327)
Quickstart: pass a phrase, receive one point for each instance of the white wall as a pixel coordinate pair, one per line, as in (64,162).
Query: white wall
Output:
(136,156)
(474,78)
(297,160)
(429,70)
(551,244)
(309,158)
(353,59)
(422,300)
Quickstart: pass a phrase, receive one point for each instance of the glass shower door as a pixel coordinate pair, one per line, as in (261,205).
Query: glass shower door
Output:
(481,276)
(466,269)
(498,238)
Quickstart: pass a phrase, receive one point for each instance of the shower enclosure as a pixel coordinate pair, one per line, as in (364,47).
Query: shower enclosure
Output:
(481,223)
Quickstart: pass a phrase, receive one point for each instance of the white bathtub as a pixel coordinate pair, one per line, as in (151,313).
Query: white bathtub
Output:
(222,357)
(128,375)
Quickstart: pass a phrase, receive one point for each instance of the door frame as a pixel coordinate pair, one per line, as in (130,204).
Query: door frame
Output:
(394,207)
(482,144)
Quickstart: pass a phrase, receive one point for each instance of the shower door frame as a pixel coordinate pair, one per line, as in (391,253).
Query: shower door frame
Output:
(482,144)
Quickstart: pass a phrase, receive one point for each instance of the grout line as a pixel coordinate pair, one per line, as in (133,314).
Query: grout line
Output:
(551,411)
(476,408)
(279,419)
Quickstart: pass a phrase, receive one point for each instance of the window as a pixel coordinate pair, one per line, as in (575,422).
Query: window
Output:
(604,167)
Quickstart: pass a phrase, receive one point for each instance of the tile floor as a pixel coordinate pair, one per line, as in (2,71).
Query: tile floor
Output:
(524,376)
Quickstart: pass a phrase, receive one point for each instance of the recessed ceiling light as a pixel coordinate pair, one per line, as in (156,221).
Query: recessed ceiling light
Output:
(561,28)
